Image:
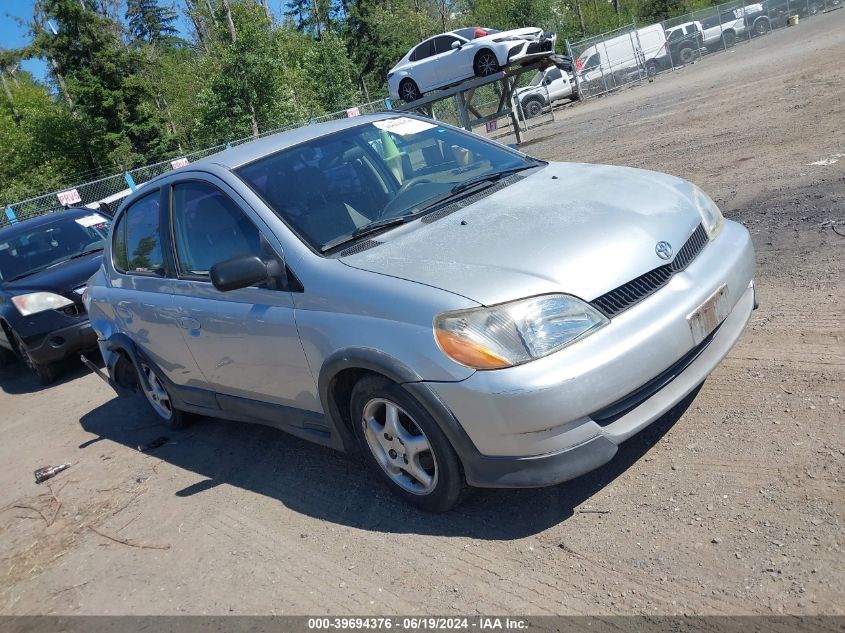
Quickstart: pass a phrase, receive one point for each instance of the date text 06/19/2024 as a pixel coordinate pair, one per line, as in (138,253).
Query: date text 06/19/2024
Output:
(420,623)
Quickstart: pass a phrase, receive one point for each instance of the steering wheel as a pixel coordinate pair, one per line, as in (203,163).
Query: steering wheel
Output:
(411,184)
(405,188)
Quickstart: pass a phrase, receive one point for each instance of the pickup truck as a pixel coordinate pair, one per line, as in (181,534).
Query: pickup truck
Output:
(545,87)
(686,40)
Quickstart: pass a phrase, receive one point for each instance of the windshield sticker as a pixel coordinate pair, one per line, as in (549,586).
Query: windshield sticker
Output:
(404,126)
(91,220)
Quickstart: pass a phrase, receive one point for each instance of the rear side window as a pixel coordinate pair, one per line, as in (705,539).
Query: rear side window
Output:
(209,228)
(137,241)
(426,49)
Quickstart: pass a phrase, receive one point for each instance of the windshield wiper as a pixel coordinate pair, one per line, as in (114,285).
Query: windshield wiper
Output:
(367,229)
(84,253)
(489,177)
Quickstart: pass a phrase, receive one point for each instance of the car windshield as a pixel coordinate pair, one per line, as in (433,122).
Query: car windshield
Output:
(537,79)
(340,185)
(25,251)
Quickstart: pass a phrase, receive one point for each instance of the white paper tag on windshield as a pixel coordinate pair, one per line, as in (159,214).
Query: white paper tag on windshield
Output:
(403,126)
(91,220)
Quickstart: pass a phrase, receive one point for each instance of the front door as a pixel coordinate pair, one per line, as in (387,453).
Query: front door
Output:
(245,341)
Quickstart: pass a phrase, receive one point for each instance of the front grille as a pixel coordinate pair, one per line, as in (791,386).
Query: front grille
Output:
(620,299)
(74,309)
(539,47)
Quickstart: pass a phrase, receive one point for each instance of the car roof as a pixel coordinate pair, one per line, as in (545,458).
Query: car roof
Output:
(247,152)
(32,223)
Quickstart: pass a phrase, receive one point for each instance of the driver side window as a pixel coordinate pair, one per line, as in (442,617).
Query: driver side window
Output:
(209,228)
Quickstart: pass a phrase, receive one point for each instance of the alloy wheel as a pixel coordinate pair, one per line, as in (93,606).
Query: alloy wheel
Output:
(157,395)
(399,446)
(487,64)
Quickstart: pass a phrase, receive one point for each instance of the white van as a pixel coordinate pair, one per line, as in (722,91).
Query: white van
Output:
(612,61)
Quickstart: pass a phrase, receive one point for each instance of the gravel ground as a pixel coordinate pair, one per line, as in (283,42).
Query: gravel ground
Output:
(730,505)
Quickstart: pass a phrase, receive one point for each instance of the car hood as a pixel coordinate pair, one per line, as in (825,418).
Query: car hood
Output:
(61,278)
(572,228)
(528,33)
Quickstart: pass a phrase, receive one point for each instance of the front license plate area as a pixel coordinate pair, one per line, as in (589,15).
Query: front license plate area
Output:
(709,315)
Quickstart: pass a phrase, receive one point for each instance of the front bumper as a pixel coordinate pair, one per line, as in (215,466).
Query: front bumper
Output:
(62,343)
(532,425)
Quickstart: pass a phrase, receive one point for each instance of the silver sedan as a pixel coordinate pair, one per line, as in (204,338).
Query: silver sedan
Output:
(458,312)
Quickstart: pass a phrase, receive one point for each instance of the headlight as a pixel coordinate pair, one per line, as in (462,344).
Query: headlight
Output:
(514,333)
(39,302)
(711,217)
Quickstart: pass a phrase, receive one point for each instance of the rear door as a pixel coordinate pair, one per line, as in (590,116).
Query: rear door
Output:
(141,294)
(421,70)
(245,341)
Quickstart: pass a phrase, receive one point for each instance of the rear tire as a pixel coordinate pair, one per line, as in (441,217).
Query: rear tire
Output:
(686,54)
(761,27)
(159,399)
(651,69)
(729,39)
(405,446)
(486,64)
(409,91)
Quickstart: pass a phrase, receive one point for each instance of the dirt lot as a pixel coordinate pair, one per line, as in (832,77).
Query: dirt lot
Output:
(734,505)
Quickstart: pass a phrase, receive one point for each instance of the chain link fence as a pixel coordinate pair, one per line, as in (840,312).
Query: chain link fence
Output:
(630,54)
(111,189)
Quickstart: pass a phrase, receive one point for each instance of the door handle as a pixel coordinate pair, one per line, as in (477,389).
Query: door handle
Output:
(189,323)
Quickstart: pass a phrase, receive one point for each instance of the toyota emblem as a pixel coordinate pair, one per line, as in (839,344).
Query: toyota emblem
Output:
(663,250)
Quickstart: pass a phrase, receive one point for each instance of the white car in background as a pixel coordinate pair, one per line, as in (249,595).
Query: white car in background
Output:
(447,59)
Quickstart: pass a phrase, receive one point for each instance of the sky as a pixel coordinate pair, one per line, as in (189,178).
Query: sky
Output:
(13,34)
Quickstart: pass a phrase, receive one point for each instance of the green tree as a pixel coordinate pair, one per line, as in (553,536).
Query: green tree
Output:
(148,21)
(250,85)
(333,73)
(39,143)
(113,102)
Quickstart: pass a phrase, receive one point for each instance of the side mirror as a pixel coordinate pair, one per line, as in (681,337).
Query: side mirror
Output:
(547,81)
(456,45)
(239,272)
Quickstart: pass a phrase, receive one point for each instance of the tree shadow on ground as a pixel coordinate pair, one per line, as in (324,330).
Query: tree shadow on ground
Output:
(335,487)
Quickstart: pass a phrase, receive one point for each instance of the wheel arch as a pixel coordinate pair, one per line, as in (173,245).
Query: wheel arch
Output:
(343,369)
(487,49)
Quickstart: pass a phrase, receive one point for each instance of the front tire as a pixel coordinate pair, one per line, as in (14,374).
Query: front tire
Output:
(531,107)
(761,27)
(728,39)
(486,64)
(45,374)
(159,399)
(405,446)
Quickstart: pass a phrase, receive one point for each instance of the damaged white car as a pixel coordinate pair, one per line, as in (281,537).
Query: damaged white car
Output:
(444,60)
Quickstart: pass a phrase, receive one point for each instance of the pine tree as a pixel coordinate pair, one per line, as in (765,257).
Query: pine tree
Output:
(151,22)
